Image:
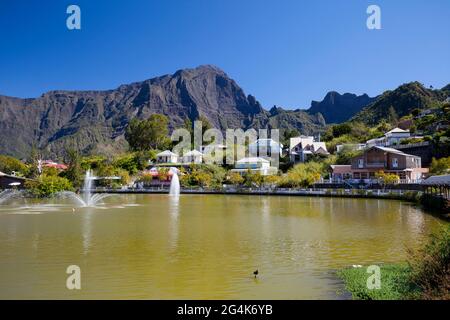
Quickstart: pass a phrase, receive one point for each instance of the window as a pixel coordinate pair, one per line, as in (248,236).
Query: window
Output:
(394,163)
(360,163)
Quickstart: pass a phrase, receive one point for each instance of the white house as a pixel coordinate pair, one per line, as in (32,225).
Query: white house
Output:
(254,164)
(395,136)
(302,147)
(390,138)
(193,156)
(167,156)
(265,148)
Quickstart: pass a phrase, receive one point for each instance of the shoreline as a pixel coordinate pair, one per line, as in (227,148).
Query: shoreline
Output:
(341,193)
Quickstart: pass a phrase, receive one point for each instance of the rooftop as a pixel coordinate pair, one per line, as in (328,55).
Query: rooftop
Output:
(438,180)
(252,160)
(166,153)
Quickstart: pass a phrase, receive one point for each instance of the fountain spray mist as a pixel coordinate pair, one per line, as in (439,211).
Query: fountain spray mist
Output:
(174,183)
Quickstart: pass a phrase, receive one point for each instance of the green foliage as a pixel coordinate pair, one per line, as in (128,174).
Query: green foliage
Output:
(346,155)
(344,139)
(271,180)
(426,276)
(403,101)
(74,172)
(48,185)
(253,179)
(145,178)
(440,166)
(32,162)
(341,129)
(92,162)
(392,116)
(9,165)
(302,175)
(128,162)
(203,175)
(287,135)
(431,267)
(235,178)
(151,133)
(387,178)
(109,170)
(395,283)
(206,125)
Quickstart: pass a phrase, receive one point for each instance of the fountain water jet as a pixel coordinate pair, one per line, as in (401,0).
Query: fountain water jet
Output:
(174,183)
(86,199)
(9,194)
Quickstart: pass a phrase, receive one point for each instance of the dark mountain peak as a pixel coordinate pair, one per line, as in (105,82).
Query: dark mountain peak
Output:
(276,110)
(336,107)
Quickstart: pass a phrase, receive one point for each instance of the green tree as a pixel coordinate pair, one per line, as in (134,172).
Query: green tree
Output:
(386,178)
(74,172)
(302,175)
(440,166)
(392,116)
(205,123)
(235,178)
(9,165)
(341,129)
(253,179)
(48,185)
(151,133)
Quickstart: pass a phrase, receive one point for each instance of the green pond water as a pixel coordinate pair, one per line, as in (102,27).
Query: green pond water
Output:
(200,246)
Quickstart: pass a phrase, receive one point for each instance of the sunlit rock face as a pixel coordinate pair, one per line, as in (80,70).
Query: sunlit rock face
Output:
(94,121)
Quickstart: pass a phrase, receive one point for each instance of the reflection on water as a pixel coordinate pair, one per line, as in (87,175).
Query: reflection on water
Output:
(194,246)
(174,210)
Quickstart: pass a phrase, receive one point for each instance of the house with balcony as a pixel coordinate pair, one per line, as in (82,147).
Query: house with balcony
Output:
(364,167)
(390,138)
(303,147)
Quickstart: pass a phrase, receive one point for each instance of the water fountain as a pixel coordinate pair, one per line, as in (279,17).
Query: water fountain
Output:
(86,199)
(174,183)
(9,194)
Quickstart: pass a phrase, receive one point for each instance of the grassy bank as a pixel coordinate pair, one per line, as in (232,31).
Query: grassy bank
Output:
(426,275)
(395,283)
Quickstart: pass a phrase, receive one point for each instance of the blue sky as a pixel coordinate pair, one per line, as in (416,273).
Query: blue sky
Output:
(283,52)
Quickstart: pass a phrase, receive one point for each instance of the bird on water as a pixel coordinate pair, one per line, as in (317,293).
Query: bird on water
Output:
(255,273)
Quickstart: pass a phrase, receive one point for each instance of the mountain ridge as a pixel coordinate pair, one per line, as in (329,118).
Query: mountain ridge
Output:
(95,120)
(337,108)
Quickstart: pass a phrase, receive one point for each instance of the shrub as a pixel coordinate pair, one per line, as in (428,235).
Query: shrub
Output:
(431,267)
(441,166)
(301,175)
(253,179)
(48,185)
(235,178)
